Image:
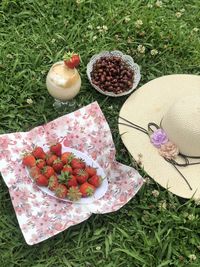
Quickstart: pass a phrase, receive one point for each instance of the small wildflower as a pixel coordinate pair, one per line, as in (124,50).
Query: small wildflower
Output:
(94,37)
(178,14)
(138,23)
(182,10)
(29,101)
(158,3)
(155,193)
(191,217)
(147,181)
(90,27)
(192,257)
(129,40)
(162,205)
(9,56)
(98,248)
(195,29)
(105,28)
(154,52)
(197,201)
(78,2)
(149,5)
(141,49)
(127,19)
(53,41)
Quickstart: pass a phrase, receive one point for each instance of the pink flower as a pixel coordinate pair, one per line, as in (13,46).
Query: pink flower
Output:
(168,150)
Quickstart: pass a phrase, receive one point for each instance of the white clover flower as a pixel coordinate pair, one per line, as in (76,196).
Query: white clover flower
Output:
(129,40)
(78,2)
(138,23)
(154,52)
(158,3)
(155,193)
(162,205)
(191,217)
(149,5)
(98,248)
(53,41)
(105,28)
(178,14)
(29,101)
(197,201)
(94,37)
(192,257)
(9,56)
(127,19)
(182,10)
(141,49)
(98,27)
(90,27)
(195,29)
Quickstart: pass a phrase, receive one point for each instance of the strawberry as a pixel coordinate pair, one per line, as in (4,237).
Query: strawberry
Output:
(95,180)
(66,157)
(48,171)
(87,189)
(56,149)
(61,191)
(71,60)
(29,160)
(90,170)
(50,159)
(72,181)
(41,180)
(53,182)
(77,163)
(57,165)
(40,163)
(74,193)
(39,153)
(34,172)
(82,176)
(67,168)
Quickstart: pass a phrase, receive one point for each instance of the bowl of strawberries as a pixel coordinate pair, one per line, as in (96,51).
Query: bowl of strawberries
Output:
(66,173)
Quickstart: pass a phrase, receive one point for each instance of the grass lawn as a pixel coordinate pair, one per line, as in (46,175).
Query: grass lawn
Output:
(163,38)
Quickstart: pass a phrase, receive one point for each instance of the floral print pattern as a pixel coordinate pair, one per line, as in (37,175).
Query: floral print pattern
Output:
(41,216)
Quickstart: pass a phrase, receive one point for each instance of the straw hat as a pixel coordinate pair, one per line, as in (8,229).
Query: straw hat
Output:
(173,104)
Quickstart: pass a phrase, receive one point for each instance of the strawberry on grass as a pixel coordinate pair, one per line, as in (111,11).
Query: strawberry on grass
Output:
(29,160)
(71,60)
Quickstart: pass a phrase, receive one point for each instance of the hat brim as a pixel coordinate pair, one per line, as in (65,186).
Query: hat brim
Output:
(148,104)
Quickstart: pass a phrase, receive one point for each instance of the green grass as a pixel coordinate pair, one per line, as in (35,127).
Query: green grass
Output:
(149,231)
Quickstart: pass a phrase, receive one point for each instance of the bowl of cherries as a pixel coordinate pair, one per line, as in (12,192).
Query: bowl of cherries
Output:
(113,73)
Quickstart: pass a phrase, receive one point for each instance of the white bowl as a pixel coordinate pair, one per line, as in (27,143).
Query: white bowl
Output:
(127,59)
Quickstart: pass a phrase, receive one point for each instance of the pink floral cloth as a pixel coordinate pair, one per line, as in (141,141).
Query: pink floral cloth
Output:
(41,216)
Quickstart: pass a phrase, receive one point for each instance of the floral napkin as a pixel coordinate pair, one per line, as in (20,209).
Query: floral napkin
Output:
(41,216)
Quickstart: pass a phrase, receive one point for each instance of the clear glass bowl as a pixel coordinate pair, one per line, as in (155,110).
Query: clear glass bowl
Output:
(127,59)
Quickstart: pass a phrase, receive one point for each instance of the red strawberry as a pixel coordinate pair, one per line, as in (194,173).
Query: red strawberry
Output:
(48,171)
(87,189)
(72,181)
(71,60)
(67,168)
(66,157)
(61,191)
(41,180)
(50,159)
(74,193)
(39,153)
(57,165)
(34,172)
(56,149)
(53,182)
(40,163)
(82,176)
(77,163)
(29,160)
(91,171)
(95,180)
